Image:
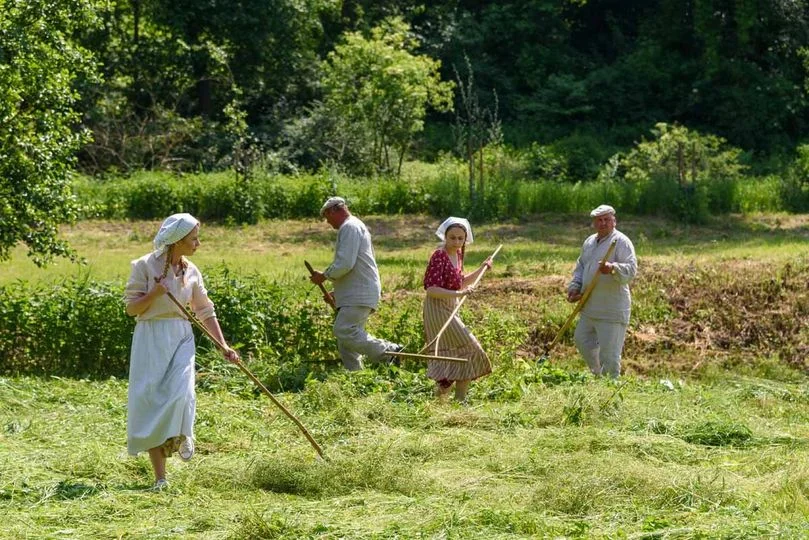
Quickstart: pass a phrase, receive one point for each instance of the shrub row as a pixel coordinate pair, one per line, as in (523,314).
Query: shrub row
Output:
(223,197)
(79,328)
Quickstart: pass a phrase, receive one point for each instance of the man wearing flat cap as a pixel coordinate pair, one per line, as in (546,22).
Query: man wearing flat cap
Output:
(356,287)
(604,318)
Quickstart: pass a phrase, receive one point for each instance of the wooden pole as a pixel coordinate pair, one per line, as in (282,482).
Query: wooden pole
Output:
(583,300)
(457,307)
(330,301)
(326,296)
(193,319)
(426,357)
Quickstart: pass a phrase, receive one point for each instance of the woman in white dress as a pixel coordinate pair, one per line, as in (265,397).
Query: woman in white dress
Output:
(162,402)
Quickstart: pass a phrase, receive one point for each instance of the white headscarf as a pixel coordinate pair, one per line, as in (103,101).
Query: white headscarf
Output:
(174,228)
(442,229)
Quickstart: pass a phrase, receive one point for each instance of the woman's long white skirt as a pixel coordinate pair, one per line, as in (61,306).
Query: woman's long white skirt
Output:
(162,402)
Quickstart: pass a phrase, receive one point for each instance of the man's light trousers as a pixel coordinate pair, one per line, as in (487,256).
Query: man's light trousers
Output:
(352,339)
(600,342)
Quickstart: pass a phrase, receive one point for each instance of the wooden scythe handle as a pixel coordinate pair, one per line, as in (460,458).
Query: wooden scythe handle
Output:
(326,296)
(193,319)
(427,357)
(583,300)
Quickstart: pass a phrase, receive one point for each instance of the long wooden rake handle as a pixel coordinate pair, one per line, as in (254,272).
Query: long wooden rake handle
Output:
(326,296)
(458,307)
(583,300)
(193,319)
(427,357)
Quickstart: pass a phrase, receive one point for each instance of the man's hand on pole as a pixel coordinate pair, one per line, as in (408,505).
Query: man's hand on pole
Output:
(318,278)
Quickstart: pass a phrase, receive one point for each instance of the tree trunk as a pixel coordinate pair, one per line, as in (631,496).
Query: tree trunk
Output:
(142,100)
(402,151)
(204,88)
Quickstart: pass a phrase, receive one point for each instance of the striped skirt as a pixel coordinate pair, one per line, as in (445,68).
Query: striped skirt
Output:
(456,341)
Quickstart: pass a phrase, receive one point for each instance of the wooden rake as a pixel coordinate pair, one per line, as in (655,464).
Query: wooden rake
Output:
(437,337)
(415,356)
(193,319)
(426,357)
(579,305)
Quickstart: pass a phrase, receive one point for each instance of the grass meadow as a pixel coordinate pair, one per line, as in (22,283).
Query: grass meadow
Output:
(706,436)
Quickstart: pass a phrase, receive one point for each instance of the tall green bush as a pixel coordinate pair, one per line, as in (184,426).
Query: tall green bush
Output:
(680,173)
(76,328)
(795,184)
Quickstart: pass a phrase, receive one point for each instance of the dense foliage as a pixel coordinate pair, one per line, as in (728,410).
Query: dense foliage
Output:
(39,68)
(177,72)
(677,172)
(79,327)
(358,86)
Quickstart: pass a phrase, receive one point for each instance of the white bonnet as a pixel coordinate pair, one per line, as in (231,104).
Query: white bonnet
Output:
(442,229)
(601,210)
(174,228)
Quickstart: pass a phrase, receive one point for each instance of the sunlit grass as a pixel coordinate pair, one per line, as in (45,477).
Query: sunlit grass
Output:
(679,448)
(547,245)
(641,457)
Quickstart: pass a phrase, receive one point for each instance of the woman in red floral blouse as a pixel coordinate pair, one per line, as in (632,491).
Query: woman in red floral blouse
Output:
(445,283)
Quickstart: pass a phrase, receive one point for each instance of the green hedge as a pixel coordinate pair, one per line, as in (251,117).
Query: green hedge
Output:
(223,197)
(79,327)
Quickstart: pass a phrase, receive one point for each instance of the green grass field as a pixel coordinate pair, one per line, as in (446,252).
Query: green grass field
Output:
(707,436)
(548,244)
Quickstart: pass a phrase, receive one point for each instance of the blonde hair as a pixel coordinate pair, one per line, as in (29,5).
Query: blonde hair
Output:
(167,264)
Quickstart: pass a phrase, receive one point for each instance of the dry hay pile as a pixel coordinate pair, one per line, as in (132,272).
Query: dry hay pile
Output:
(745,308)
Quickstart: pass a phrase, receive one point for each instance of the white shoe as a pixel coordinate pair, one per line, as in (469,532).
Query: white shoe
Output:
(186,450)
(160,485)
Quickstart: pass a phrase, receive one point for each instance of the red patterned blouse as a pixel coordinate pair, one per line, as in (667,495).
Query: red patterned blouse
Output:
(441,273)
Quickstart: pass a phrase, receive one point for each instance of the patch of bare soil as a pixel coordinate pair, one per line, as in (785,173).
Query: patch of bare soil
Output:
(744,307)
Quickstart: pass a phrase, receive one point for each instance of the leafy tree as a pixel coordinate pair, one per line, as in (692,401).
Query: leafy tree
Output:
(179,73)
(38,123)
(272,46)
(681,172)
(378,91)
(613,68)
